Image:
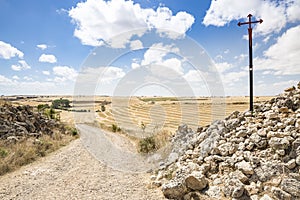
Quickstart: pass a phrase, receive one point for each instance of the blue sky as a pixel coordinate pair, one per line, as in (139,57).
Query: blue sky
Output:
(50,46)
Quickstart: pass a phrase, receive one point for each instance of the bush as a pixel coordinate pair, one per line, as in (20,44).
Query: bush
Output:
(3,153)
(103,108)
(74,132)
(61,103)
(147,145)
(115,128)
(42,107)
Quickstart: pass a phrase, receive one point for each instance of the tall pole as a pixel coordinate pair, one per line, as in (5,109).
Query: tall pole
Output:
(250,56)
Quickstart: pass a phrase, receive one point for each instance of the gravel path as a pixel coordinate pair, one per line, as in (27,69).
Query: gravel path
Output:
(73,173)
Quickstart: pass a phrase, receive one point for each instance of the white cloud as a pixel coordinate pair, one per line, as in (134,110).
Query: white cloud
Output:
(64,73)
(293,13)
(5,81)
(193,76)
(48,58)
(275,14)
(136,44)
(15,77)
(90,75)
(230,78)
(169,25)
(156,53)
(46,73)
(27,78)
(241,57)
(135,65)
(21,66)
(174,64)
(98,21)
(7,51)
(283,56)
(223,66)
(42,46)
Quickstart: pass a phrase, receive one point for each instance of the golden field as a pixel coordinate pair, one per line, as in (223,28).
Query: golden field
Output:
(129,113)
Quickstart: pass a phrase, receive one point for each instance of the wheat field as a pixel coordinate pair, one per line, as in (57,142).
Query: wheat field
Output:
(168,112)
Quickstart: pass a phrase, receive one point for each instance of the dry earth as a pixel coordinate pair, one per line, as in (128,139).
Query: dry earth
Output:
(73,173)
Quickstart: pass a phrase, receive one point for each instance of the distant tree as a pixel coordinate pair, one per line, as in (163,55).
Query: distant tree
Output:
(60,103)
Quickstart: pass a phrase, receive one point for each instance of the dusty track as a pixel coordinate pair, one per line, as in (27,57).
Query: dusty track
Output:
(73,173)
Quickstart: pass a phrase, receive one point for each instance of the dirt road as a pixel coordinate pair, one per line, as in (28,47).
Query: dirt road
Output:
(73,173)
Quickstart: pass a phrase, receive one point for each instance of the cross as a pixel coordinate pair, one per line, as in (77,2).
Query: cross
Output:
(250,56)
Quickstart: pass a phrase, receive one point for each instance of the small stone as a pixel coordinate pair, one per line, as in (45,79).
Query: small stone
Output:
(254,197)
(12,139)
(284,109)
(279,143)
(217,181)
(280,152)
(266,197)
(239,175)
(189,152)
(291,186)
(245,167)
(233,187)
(196,181)
(174,190)
(280,194)
(290,89)
(152,177)
(262,132)
(298,160)
(271,115)
(291,164)
(238,191)
(241,133)
(157,183)
(252,189)
(173,157)
(214,192)
(194,196)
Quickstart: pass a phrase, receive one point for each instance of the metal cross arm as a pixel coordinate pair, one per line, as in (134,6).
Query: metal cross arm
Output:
(250,56)
(250,22)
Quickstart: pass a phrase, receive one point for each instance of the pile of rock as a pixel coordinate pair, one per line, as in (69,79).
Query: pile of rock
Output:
(240,157)
(18,122)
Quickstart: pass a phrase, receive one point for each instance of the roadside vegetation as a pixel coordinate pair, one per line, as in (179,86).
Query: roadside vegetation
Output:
(27,150)
(21,149)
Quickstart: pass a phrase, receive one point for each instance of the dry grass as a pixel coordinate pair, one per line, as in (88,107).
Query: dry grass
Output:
(155,142)
(201,109)
(23,152)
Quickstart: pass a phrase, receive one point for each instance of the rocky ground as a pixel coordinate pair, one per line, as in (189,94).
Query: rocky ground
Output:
(19,122)
(240,157)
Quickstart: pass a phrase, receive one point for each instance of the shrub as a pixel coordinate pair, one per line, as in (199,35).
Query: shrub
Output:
(61,103)
(115,128)
(147,145)
(42,107)
(3,153)
(103,108)
(74,132)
